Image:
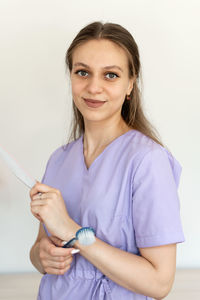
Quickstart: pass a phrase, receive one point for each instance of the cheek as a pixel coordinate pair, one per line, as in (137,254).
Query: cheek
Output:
(76,85)
(76,88)
(77,93)
(118,93)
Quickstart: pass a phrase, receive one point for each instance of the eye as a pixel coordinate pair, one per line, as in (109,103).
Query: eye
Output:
(81,73)
(112,75)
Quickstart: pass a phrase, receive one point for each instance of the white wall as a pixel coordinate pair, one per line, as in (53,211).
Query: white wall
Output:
(35,102)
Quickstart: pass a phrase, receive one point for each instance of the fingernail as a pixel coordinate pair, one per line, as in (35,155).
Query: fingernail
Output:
(75,251)
(63,243)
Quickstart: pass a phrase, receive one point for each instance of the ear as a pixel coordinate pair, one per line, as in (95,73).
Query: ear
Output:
(130,85)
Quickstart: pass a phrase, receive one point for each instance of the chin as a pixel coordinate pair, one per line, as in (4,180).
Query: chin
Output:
(93,117)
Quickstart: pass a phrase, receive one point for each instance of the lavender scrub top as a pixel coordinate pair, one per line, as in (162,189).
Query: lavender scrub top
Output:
(128,195)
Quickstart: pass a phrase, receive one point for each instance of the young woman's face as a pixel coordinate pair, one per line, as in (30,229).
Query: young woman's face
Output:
(100,72)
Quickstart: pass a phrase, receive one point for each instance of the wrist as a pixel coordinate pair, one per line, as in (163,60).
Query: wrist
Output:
(70,230)
(84,236)
(35,258)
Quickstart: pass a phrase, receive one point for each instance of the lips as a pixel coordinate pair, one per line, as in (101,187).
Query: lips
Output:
(94,103)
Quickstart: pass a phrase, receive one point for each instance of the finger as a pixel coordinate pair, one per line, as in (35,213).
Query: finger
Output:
(58,264)
(38,202)
(59,251)
(57,258)
(50,270)
(36,210)
(32,190)
(40,188)
(58,242)
(39,196)
(38,217)
(62,258)
(44,196)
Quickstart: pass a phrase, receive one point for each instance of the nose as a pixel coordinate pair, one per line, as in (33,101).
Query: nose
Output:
(94,85)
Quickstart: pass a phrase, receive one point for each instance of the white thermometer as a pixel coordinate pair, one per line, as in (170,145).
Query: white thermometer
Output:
(16,169)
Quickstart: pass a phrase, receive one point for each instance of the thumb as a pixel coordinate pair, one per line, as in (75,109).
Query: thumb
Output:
(58,242)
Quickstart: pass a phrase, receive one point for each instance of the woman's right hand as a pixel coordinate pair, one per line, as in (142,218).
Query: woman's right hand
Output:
(54,260)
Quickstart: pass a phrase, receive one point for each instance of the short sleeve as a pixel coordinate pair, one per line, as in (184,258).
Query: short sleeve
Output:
(156,207)
(48,168)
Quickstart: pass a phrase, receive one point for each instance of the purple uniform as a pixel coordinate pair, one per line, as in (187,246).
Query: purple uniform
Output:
(128,195)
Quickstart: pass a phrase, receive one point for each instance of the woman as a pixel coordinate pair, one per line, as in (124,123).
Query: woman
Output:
(115,177)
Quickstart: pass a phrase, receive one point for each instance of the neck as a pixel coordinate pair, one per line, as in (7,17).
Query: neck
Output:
(98,137)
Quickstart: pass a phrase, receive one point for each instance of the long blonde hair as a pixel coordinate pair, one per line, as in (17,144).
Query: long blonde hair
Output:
(132,111)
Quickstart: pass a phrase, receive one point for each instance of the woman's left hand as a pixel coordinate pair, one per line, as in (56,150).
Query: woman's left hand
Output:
(49,207)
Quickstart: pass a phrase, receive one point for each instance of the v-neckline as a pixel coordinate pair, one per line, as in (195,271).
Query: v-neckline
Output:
(104,150)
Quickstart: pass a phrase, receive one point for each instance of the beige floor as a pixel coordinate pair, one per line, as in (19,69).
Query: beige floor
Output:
(25,286)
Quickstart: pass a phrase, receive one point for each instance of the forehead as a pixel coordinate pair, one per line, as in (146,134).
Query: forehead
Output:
(100,53)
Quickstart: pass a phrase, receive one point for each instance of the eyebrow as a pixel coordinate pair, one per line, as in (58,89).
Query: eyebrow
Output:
(105,68)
